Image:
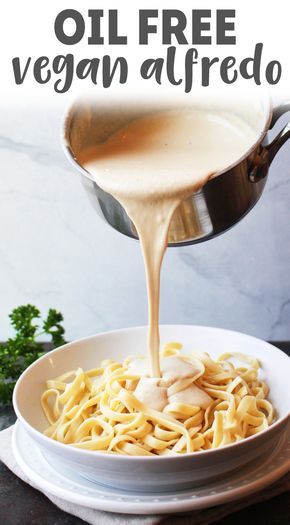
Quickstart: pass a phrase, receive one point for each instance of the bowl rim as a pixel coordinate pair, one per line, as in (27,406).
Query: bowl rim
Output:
(121,457)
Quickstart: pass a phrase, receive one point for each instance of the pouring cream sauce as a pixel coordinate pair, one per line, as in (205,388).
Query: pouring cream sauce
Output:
(150,166)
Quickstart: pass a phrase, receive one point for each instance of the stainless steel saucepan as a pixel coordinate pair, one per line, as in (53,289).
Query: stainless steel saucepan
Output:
(220,204)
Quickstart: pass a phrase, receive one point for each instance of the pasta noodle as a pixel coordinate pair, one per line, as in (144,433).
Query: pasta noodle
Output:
(211,404)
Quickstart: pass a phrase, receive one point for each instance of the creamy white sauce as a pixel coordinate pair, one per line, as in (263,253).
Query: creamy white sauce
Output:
(192,395)
(150,166)
(155,392)
(149,392)
(174,368)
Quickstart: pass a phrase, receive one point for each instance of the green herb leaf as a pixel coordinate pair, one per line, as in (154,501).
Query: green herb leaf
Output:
(52,325)
(24,348)
(21,320)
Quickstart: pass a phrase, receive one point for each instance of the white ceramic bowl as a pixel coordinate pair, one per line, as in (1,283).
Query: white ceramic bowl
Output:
(152,473)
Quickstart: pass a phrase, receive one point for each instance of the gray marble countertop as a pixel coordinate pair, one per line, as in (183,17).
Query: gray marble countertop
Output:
(21,504)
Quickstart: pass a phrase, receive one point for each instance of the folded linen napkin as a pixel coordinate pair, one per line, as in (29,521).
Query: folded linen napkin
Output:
(97,517)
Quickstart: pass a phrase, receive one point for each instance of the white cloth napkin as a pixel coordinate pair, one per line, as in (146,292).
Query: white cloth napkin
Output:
(97,517)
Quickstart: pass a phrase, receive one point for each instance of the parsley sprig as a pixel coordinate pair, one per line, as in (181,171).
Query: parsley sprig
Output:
(24,348)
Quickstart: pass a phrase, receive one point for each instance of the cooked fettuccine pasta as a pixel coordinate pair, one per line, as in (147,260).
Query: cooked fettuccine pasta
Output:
(197,404)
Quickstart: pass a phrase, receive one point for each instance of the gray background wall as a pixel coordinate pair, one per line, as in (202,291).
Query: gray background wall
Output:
(55,251)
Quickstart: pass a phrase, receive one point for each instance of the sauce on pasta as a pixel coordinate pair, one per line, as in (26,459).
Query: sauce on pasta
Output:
(111,409)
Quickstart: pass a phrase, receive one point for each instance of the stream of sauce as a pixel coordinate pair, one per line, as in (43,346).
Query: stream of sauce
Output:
(150,166)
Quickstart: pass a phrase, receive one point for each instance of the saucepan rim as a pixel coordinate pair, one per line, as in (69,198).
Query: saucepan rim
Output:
(68,117)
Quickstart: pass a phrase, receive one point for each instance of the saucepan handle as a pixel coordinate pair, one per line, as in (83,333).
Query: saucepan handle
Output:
(278,111)
(284,134)
(267,152)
